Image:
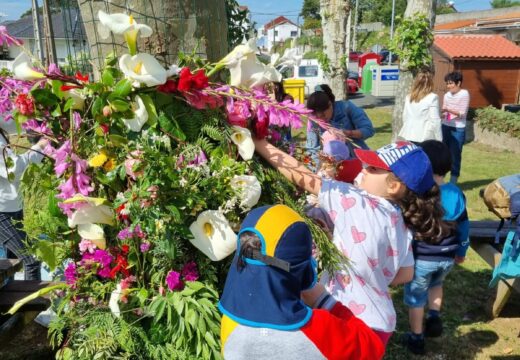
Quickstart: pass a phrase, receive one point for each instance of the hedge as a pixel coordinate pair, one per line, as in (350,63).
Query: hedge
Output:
(499,121)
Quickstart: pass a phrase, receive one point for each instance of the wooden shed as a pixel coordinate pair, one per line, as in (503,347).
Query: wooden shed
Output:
(490,65)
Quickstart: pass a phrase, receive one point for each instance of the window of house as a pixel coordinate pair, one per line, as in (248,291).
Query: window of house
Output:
(294,33)
(308,71)
(276,33)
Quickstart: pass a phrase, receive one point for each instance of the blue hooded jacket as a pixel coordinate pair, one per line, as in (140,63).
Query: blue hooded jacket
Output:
(456,244)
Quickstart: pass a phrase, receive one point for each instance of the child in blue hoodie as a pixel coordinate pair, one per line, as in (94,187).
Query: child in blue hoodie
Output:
(434,261)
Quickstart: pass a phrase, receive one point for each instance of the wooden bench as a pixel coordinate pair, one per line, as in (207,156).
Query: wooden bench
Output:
(482,240)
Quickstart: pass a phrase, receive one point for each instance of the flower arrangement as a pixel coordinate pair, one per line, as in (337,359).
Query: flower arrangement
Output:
(151,172)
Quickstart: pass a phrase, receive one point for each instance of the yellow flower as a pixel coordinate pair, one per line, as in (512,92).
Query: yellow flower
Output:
(109,165)
(98,160)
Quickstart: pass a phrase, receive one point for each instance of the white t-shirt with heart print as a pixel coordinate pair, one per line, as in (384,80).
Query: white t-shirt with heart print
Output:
(371,233)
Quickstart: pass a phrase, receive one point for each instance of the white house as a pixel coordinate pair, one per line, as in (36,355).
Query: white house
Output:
(276,31)
(69,37)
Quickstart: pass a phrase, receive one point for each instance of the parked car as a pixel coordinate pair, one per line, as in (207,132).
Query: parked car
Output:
(308,70)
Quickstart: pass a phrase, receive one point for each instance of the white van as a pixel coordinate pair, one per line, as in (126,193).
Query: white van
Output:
(308,70)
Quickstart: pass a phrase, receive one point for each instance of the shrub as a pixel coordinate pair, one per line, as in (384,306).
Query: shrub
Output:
(499,121)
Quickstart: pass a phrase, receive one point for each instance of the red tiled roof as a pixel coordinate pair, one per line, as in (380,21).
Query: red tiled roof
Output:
(278,21)
(454,25)
(477,46)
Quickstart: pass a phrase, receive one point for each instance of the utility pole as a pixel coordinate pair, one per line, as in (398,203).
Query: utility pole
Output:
(49,34)
(391,32)
(354,42)
(36,27)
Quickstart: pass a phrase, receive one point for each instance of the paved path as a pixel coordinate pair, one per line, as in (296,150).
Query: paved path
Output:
(367,101)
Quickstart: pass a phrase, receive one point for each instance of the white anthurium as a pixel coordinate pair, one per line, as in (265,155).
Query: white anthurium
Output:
(91,211)
(140,116)
(213,235)
(22,68)
(113,303)
(143,69)
(243,140)
(248,188)
(122,24)
(77,97)
(267,75)
(93,233)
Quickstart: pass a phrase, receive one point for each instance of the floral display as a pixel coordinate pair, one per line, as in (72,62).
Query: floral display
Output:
(149,174)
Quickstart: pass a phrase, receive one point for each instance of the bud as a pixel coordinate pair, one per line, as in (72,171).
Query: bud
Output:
(107,111)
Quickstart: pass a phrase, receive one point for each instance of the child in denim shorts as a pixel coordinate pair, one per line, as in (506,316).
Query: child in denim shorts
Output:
(434,261)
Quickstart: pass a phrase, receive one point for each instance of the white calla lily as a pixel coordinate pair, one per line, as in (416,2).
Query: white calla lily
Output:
(290,57)
(113,303)
(92,211)
(140,116)
(248,188)
(77,97)
(213,235)
(122,24)
(93,233)
(245,69)
(143,69)
(243,140)
(22,68)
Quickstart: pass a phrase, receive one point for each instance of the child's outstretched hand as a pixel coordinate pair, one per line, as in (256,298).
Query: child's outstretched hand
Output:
(459,259)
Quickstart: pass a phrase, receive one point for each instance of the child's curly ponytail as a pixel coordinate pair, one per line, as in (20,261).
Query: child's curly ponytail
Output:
(423,214)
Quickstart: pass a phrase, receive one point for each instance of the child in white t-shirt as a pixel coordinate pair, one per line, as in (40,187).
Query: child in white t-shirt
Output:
(373,223)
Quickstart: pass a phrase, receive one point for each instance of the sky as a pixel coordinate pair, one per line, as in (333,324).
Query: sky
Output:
(262,10)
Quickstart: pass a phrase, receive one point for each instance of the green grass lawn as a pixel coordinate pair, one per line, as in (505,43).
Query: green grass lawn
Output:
(469,332)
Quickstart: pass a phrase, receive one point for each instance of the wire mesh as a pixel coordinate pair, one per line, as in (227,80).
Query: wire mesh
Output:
(190,26)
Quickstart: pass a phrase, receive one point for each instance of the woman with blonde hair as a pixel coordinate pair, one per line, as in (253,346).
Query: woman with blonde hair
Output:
(421,116)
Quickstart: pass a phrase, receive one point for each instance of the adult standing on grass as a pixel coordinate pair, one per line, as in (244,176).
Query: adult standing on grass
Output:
(12,167)
(421,117)
(350,120)
(455,110)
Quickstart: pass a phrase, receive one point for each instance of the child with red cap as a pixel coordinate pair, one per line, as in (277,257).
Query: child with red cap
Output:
(373,223)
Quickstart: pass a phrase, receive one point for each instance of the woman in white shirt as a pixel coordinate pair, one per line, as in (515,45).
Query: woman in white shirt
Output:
(421,117)
(12,236)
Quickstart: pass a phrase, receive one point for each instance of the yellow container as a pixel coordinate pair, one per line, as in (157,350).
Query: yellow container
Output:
(295,88)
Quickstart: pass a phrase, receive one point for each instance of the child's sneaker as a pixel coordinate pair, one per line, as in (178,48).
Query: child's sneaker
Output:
(433,327)
(414,343)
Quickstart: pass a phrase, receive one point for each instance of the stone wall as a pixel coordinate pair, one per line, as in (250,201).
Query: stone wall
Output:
(500,141)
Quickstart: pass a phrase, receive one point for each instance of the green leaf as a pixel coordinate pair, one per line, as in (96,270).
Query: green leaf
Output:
(107,78)
(52,205)
(150,108)
(9,163)
(122,88)
(45,97)
(68,105)
(45,251)
(56,88)
(111,59)
(57,111)
(117,140)
(97,106)
(119,105)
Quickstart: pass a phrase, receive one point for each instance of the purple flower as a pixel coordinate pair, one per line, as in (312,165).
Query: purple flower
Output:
(70,274)
(40,128)
(139,232)
(199,159)
(125,234)
(77,120)
(61,157)
(189,271)
(8,39)
(144,247)
(54,70)
(100,257)
(173,280)
(86,245)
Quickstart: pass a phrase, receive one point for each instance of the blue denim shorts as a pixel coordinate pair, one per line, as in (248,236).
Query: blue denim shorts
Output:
(427,275)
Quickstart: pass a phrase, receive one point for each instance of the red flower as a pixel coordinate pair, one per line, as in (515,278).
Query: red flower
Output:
(262,129)
(70,87)
(125,248)
(83,78)
(122,213)
(24,104)
(168,87)
(185,79)
(104,127)
(200,80)
(121,267)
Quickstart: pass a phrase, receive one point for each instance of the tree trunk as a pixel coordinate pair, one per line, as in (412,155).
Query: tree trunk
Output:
(334,15)
(406,77)
(198,26)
